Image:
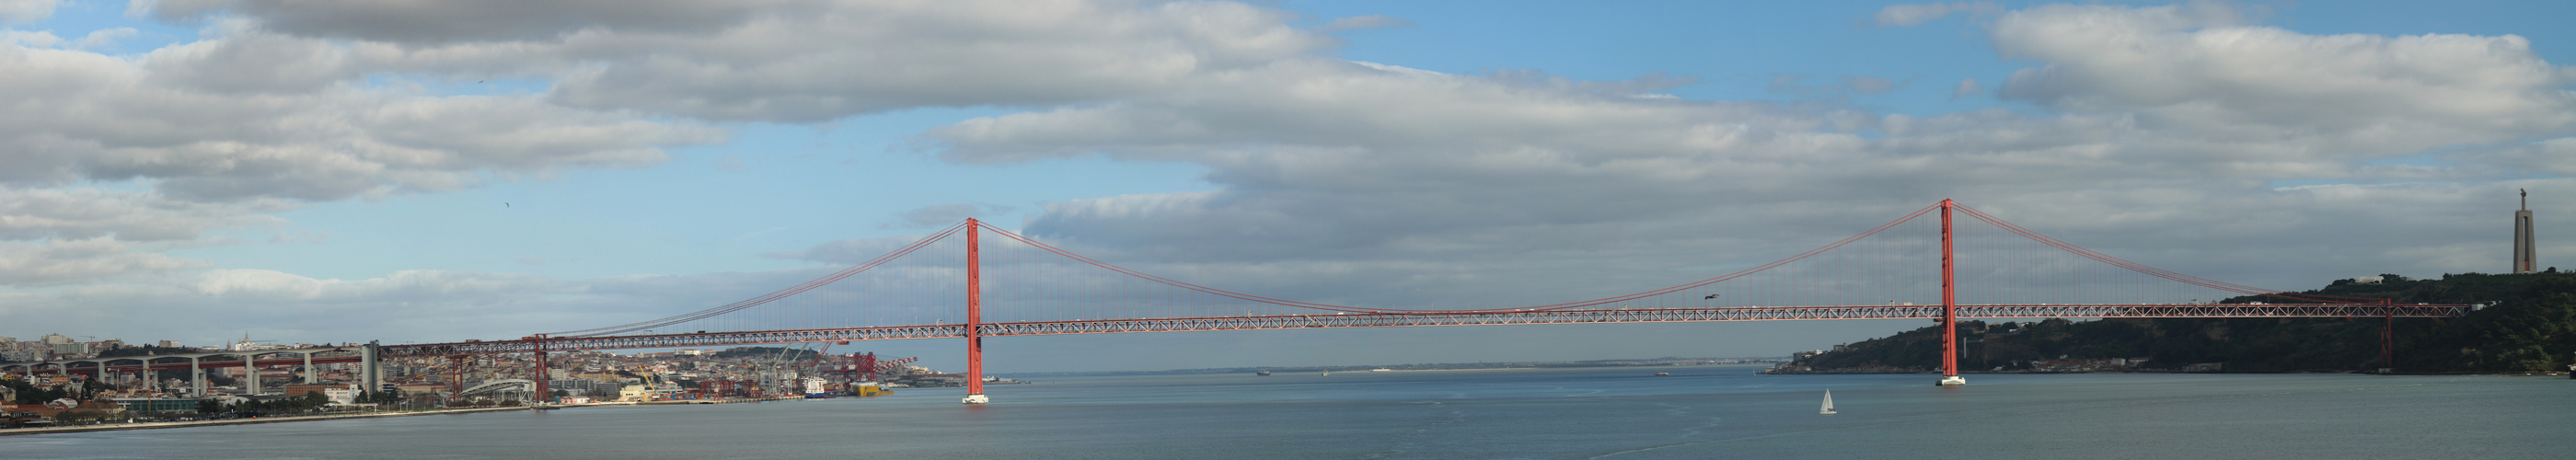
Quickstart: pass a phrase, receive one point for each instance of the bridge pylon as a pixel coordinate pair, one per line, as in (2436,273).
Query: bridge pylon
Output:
(1949,307)
(974,317)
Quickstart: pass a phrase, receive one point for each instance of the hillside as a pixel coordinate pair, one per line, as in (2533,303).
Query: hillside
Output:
(2529,326)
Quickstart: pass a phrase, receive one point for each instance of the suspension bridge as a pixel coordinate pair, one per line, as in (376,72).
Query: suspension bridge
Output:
(1013,285)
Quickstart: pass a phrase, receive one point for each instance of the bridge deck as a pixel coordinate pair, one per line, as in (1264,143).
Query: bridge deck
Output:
(1637,315)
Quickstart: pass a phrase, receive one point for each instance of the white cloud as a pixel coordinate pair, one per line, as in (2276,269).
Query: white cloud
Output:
(26,11)
(273,286)
(74,261)
(2194,69)
(85,213)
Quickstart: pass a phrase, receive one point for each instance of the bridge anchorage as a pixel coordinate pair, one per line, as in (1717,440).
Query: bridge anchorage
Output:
(1013,285)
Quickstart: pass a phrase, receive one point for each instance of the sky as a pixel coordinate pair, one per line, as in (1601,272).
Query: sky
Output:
(430,171)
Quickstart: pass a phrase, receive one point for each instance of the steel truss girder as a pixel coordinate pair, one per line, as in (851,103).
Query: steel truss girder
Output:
(1624,315)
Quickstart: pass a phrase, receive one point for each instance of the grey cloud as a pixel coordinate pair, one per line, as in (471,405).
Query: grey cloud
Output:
(947,54)
(762,62)
(88,116)
(422,22)
(1967,87)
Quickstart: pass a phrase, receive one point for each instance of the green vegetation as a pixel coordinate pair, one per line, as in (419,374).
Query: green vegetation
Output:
(2530,326)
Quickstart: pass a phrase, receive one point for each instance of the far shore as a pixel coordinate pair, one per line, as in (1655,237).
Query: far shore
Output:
(242,421)
(316,418)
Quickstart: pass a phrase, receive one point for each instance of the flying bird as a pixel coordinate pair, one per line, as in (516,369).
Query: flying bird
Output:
(505,204)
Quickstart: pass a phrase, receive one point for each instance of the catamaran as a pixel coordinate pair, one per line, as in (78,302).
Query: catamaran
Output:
(1829,403)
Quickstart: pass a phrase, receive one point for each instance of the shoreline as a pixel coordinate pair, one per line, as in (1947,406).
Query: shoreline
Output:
(247,421)
(318,418)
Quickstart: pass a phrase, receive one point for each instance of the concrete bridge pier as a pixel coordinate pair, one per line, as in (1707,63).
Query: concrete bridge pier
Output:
(250,374)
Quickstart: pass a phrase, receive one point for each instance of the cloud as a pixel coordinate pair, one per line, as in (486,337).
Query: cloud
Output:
(221,132)
(26,11)
(208,125)
(760,62)
(86,213)
(454,21)
(1968,87)
(1843,87)
(2197,69)
(72,261)
(1372,21)
(1907,15)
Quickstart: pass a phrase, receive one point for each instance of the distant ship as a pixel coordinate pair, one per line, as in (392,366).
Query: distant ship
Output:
(1262,373)
(1829,403)
(814,389)
(1663,373)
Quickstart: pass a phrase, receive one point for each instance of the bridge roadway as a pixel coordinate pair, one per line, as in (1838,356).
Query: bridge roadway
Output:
(347,354)
(1579,316)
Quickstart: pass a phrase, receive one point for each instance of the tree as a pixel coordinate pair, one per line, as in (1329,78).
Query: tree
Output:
(79,417)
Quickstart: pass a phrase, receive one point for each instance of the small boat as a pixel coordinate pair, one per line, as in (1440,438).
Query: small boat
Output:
(1663,373)
(1328,373)
(1829,403)
(1262,373)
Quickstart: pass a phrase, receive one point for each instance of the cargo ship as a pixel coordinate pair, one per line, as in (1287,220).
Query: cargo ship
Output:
(814,389)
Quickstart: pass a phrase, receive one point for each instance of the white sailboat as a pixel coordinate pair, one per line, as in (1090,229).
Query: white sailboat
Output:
(1829,403)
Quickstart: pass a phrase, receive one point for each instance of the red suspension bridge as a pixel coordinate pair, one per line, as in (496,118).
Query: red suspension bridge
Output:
(1887,272)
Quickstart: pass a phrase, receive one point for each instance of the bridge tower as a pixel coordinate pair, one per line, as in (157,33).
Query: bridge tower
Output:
(974,317)
(538,343)
(1949,307)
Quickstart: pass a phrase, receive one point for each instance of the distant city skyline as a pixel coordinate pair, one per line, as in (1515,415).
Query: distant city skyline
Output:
(431,172)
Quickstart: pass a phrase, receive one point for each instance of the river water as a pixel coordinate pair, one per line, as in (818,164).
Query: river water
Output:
(1620,413)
